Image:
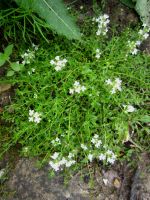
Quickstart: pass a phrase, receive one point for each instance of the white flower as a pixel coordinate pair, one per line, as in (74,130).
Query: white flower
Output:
(71,91)
(109,152)
(83,88)
(145,36)
(138,43)
(110,160)
(71,155)
(129,108)
(55,166)
(96,136)
(35,96)
(69,163)
(102,156)
(63,161)
(2,172)
(55,155)
(90,157)
(76,83)
(77,87)
(134,51)
(31,112)
(28,56)
(52,62)
(58,63)
(105,181)
(37,120)
(57,58)
(56,141)
(102,21)
(84,147)
(98,54)
(108,82)
(116,85)
(31,119)
(98,143)
(35,47)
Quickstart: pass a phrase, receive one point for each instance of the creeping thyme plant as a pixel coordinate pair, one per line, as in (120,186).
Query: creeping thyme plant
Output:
(75,100)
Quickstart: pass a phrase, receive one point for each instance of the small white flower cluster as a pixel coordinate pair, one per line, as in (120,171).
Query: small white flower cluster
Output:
(2,172)
(58,63)
(32,71)
(96,141)
(133,46)
(56,141)
(35,96)
(29,55)
(116,85)
(143,35)
(84,147)
(144,32)
(103,21)
(98,53)
(108,157)
(34,116)
(77,88)
(35,47)
(129,108)
(58,163)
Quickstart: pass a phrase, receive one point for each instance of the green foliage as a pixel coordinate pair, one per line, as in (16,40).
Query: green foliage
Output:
(66,120)
(128,3)
(5,56)
(55,14)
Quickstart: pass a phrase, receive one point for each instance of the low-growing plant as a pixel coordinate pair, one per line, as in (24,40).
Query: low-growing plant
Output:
(5,57)
(76,102)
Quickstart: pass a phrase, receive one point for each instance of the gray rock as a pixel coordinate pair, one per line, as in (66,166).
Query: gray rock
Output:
(141,181)
(28,182)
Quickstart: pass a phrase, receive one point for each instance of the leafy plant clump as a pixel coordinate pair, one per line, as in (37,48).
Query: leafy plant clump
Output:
(75,101)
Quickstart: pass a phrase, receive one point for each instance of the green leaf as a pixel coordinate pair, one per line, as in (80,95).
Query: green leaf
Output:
(8,50)
(143,9)
(16,66)
(145,119)
(55,14)
(2,59)
(10,73)
(128,3)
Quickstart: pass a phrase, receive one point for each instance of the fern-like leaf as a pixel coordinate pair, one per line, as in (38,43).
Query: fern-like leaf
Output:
(55,14)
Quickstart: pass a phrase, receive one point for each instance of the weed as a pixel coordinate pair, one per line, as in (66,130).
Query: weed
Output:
(74,103)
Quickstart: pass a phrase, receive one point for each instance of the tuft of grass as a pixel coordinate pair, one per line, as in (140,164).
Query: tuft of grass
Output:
(90,122)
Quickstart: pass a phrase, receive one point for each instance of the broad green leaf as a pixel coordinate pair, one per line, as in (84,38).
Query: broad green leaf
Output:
(8,50)
(16,66)
(2,59)
(55,14)
(143,9)
(10,73)
(128,3)
(145,119)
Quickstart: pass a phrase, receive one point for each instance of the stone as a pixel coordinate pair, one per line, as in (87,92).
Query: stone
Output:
(4,87)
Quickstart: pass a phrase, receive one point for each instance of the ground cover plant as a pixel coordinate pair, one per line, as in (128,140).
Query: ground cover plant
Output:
(76,101)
